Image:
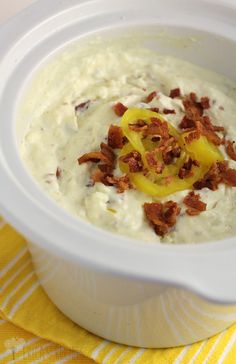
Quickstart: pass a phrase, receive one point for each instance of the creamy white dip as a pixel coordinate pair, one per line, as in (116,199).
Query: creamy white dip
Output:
(57,136)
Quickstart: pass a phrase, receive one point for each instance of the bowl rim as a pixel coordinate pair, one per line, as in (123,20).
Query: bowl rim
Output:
(165,264)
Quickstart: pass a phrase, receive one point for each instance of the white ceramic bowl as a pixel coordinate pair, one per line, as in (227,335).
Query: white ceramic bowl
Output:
(137,294)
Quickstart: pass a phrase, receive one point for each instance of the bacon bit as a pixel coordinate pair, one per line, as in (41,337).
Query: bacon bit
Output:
(108,152)
(206,122)
(125,140)
(139,126)
(154,109)
(193,96)
(193,108)
(152,161)
(115,137)
(194,135)
(83,106)
(175,93)
(162,216)
(186,170)
(93,157)
(218,128)
(134,161)
(194,119)
(221,108)
(201,129)
(119,109)
(186,123)
(217,173)
(58,172)
(212,136)
(229,177)
(170,149)
(168,111)
(121,183)
(205,102)
(229,147)
(105,168)
(106,155)
(158,127)
(150,97)
(209,131)
(211,179)
(99,176)
(169,155)
(194,204)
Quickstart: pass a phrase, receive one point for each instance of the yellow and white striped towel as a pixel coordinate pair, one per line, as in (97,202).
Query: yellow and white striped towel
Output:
(33,330)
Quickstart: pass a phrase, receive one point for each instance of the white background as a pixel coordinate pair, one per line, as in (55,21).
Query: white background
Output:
(11,7)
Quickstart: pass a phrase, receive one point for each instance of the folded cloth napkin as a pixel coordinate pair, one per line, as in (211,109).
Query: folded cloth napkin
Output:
(33,330)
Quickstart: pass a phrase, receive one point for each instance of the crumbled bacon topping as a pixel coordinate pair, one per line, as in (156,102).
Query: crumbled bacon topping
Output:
(155,128)
(218,173)
(186,170)
(153,162)
(194,204)
(213,177)
(229,177)
(169,155)
(197,122)
(206,122)
(99,176)
(119,109)
(170,149)
(93,157)
(186,123)
(83,106)
(205,102)
(115,137)
(211,136)
(106,155)
(193,135)
(134,161)
(150,97)
(154,109)
(229,147)
(121,183)
(175,93)
(168,111)
(139,126)
(204,127)
(109,153)
(105,168)
(162,216)
(193,109)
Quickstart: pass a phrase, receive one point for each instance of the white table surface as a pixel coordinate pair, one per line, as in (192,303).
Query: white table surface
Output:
(11,7)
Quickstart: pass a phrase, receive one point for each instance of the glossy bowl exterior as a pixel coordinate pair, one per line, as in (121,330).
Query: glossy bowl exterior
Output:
(127,310)
(126,291)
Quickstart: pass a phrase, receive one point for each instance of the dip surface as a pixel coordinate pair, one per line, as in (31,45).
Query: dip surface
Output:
(59,133)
